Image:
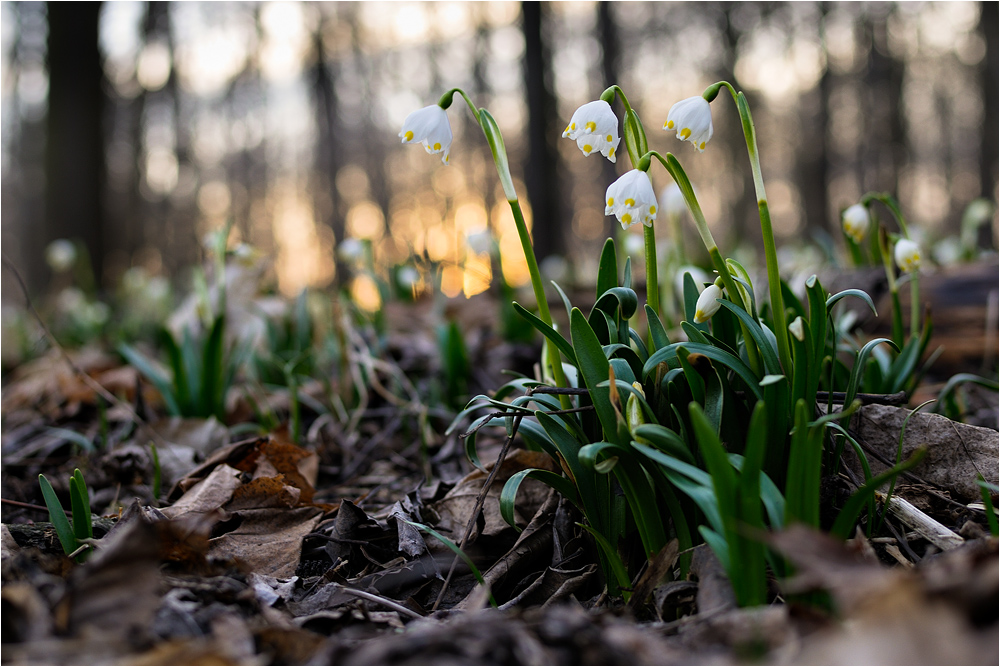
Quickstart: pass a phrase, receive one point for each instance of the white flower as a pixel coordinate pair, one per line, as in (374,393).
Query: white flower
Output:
(594,127)
(673,200)
(350,250)
(631,199)
(692,118)
(907,255)
(60,255)
(430,127)
(707,304)
(856,222)
(635,245)
(407,276)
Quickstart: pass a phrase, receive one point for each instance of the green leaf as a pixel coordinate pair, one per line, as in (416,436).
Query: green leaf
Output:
(607,268)
(594,369)
(861,294)
(656,330)
(849,514)
(665,440)
(80,503)
(508,495)
(554,336)
(213,381)
(767,347)
(618,302)
(57,515)
(669,355)
(565,299)
(495,140)
(615,562)
(148,371)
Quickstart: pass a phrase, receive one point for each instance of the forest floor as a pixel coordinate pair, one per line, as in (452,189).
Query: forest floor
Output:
(260,550)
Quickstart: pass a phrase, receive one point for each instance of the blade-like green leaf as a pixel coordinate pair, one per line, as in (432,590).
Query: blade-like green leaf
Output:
(57,515)
(554,336)
(508,495)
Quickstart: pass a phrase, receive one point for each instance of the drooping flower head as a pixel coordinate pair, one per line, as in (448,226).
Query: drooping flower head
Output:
(594,127)
(631,199)
(692,119)
(707,304)
(430,127)
(907,255)
(856,222)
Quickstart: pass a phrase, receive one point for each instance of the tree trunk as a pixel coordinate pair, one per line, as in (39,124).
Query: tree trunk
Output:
(75,148)
(541,173)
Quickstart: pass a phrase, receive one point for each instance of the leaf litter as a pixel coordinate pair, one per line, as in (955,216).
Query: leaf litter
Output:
(267,551)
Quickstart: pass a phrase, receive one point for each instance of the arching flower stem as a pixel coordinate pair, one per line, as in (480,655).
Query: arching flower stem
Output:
(495,141)
(770,250)
(636,145)
(677,172)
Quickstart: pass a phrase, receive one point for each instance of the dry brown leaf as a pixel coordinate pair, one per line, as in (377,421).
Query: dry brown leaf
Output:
(267,541)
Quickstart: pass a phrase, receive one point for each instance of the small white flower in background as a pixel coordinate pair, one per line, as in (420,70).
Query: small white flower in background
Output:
(245,254)
(554,268)
(480,242)
(594,127)
(430,127)
(407,276)
(631,199)
(350,250)
(70,300)
(634,245)
(60,255)
(856,222)
(692,119)
(907,255)
(707,304)
(797,329)
(672,200)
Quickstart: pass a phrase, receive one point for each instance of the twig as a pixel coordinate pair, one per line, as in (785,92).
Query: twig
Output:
(837,397)
(480,501)
(29,506)
(385,602)
(523,412)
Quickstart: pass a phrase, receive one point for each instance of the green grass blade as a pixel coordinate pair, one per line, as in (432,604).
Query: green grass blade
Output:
(147,370)
(849,513)
(554,336)
(57,515)
(454,547)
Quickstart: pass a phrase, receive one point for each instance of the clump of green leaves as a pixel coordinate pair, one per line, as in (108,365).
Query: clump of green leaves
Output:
(71,536)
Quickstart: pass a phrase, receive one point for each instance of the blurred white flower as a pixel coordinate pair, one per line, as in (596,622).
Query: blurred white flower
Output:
(70,299)
(60,255)
(707,304)
(594,127)
(430,127)
(350,250)
(407,276)
(907,255)
(554,268)
(692,119)
(856,222)
(672,200)
(631,199)
(635,245)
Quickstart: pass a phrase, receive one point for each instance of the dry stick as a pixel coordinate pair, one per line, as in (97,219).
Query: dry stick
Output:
(480,501)
(17,503)
(89,381)
(385,602)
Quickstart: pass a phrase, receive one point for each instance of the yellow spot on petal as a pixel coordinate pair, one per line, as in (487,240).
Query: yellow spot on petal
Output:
(669,125)
(611,201)
(626,218)
(609,139)
(702,145)
(685,133)
(630,202)
(572,126)
(652,210)
(587,148)
(611,153)
(591,126)
(437,146)
(409,135)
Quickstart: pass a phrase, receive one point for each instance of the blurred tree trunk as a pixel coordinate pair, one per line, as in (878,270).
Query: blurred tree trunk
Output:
(745,221)
(75,148)
(328,156)
(989,75)
(883,85)
(610,62)
(541,173)
(812,153)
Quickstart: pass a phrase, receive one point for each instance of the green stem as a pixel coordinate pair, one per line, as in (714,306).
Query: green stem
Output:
(652,280)
(914,305)
(770,250)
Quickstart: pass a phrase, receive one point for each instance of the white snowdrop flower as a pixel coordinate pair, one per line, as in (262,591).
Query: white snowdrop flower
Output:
(907,255)
(350,250)
(692,119)
(707,304)
(430,127)
(856,221)
(631,199)
(60,255)
(407,276)
(672,200)
(594,127)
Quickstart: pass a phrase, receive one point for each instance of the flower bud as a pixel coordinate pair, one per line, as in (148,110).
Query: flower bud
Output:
(907,255)
(707,304)
(856,221)
(633,409)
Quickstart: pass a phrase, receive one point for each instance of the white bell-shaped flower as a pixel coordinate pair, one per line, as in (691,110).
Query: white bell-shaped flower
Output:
(856,222)
(631,199)
(594,127)
(907,255)
(692,120)
(430,127)
(707,304)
